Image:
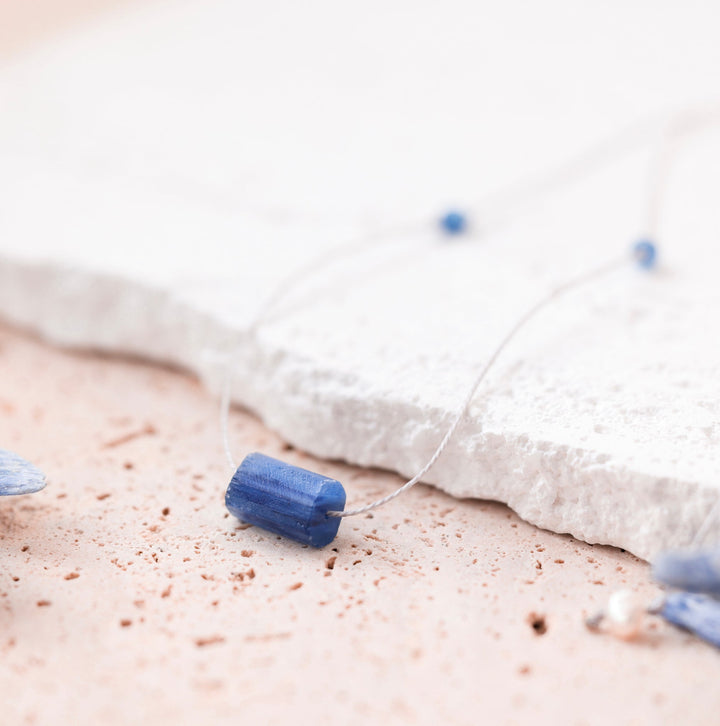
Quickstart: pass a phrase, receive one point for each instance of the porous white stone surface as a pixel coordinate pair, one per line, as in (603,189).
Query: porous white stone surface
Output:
(163,171)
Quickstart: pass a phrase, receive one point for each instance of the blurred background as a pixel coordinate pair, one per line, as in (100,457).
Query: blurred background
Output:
(24,24)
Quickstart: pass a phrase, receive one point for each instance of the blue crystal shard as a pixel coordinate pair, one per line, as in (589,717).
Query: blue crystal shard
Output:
(695,571)
(700,614)
(18,476)
(285,499)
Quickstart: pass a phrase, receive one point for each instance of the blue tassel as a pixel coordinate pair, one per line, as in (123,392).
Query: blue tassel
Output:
(18,476)
(286,500)
(700,614)
(692,571)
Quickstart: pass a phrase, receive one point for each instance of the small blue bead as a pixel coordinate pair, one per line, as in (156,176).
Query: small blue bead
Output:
(286,500)
(693,571)
(453,223)
(645,253)
(700,614)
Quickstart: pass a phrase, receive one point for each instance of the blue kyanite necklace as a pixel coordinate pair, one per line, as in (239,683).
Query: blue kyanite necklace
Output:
(308,507)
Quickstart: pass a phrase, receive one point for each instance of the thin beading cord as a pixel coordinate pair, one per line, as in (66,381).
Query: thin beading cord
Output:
(573,284)
(679,130)
(604,152)
(225,414)
(535,188)
(326,258)
(532,189)
(681,125)
(707,523)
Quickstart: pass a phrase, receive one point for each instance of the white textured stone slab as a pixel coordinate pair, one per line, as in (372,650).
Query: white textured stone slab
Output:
(161,172)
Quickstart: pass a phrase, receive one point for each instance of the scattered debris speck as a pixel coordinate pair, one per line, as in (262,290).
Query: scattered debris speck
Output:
(211,640)
(537,622)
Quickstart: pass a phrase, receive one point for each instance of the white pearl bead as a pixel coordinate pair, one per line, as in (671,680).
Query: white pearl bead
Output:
(624,614)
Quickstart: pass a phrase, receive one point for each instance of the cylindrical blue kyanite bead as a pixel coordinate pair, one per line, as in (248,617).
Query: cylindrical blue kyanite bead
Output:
(285,499)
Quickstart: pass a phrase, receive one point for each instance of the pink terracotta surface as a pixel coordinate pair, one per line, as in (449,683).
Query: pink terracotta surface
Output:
(128,594)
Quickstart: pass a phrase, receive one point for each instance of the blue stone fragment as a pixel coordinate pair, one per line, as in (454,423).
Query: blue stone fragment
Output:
(695,571)
(645,253)
(453,223)
(700,614)
(18,476)
(285,499)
